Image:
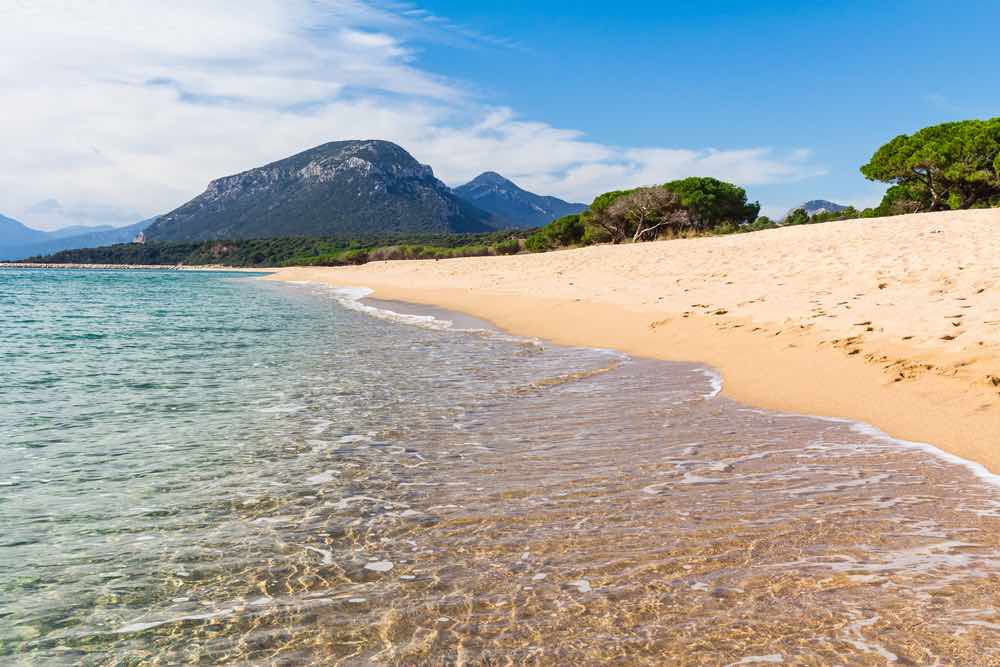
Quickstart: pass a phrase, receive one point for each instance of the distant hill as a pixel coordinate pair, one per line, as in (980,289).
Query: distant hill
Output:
(514,206)
(62,239)
(78,230)
(814,206)
(340,189)
(13,232)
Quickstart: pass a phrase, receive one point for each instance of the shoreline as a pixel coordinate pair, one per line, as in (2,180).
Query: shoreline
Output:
(920,387)
(133,267)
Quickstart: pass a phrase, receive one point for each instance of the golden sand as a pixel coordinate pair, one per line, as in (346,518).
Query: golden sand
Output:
(894,322)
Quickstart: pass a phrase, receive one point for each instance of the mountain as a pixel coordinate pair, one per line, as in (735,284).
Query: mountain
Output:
(78,230)
(339,189)
(13,232)
(52,242)
(814,206)
(514,206)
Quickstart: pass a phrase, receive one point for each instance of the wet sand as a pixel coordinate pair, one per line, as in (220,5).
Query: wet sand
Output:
(892,322)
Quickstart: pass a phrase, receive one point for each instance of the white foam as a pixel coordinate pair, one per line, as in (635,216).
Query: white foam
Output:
(715,380)
(977,469)
(139,627)
(772,659)
(345,503)
(353,298)
(379,566)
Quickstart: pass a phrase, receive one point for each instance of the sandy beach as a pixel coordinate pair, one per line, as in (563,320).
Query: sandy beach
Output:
(894,322)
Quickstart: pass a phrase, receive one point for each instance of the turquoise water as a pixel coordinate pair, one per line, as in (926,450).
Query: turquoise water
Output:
(154,424)
(206,468)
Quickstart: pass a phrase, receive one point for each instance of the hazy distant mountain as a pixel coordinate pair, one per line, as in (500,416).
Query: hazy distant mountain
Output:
(339,189)
(89,237)
(77,230)
(514,206)
(13,232)
(814,206)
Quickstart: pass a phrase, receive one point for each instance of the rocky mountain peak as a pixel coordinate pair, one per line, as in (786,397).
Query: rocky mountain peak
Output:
(359,187)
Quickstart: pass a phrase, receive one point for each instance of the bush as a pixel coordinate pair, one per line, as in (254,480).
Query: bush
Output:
(537,242)
(508,247)
(725,228)
(568,230)
(592,234)
(354,256)
(796,217)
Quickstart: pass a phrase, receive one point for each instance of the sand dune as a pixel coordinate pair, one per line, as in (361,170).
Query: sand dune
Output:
(895,322)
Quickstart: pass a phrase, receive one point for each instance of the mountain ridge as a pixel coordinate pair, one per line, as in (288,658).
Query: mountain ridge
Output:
(88,239)
(336,189)
(512,204)
(14,232)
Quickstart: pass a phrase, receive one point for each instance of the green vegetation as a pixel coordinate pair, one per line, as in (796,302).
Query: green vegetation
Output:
(711,202)
(687,207)
(800,217)
(641,214)
(567,231)
(948,166)
(295,251)
(797,217)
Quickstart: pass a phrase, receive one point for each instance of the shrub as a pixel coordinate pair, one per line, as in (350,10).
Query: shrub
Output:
(796,217)
(537,242)
(508,247)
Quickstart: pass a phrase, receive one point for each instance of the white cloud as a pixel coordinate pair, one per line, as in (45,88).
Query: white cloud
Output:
(118,108)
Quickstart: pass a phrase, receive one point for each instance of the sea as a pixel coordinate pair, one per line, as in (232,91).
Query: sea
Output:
(208,468)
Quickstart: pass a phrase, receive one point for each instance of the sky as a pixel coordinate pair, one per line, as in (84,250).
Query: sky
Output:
(118,110)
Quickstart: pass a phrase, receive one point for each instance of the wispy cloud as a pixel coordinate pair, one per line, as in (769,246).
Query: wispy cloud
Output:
(112,105)
(443,26)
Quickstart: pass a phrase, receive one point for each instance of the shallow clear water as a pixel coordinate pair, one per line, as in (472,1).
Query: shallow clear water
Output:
(207,468)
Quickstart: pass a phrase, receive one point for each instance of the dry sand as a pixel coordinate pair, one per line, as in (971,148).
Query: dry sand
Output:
(894,322)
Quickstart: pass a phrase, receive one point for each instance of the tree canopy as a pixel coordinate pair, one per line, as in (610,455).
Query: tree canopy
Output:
(696,205)
(712,202)
(952,165)
(642,214)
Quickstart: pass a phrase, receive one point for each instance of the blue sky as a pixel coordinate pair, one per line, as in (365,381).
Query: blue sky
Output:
(116,111)
(838,78)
